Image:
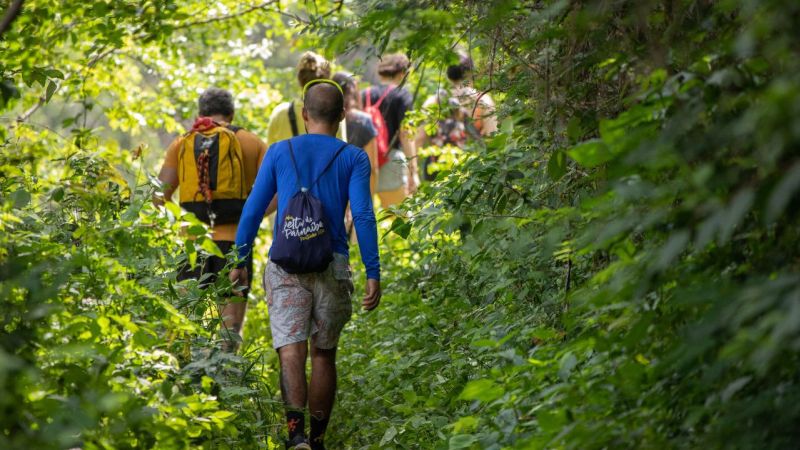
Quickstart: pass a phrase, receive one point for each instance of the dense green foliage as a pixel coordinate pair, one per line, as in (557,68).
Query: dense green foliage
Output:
(616,268)
(619,266)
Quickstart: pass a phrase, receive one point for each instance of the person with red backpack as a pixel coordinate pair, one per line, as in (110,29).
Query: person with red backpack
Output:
(361,130)
(388,103)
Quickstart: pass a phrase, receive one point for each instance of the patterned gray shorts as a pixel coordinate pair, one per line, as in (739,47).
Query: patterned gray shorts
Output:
(312,304)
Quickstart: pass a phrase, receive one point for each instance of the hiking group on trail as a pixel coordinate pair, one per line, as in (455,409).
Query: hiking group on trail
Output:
(327,153)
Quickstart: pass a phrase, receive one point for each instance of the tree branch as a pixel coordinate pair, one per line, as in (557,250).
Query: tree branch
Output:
(262,5)
(11,14)
(42,100)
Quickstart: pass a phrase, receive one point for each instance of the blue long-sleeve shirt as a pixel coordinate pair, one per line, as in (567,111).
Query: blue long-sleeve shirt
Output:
(347,179)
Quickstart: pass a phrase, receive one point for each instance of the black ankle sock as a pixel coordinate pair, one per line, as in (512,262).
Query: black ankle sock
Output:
(295,422)
(317,436)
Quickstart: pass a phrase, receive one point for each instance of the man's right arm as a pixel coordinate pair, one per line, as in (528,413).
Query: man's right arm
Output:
(262,151)
(168,176)
(256,205)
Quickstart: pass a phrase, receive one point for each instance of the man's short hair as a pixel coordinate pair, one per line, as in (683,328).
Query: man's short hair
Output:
(459,71)
(391,65)
(215,101)
(324,103)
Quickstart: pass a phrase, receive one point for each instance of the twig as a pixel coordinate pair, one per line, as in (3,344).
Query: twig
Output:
(42,100)
(27,114)
(496,216)
(491,75)
(39,125)
(520,59)
(11,14)
(295,17)
(262,5)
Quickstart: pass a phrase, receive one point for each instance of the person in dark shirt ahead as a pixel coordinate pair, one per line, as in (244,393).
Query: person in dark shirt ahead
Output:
(314,305)
(398,177)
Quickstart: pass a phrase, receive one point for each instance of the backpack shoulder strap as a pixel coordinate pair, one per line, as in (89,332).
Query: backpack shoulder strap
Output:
(294,164)
(368,95)
(330,163)
(293,119)
(389,89)
(234,128)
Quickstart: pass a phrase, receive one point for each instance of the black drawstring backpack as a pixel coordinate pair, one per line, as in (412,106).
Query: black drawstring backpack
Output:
(302,242)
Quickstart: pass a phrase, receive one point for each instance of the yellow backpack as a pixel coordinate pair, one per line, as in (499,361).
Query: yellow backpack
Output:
(211,175)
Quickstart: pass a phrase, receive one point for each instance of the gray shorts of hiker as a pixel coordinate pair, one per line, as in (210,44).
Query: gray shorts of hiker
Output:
(312,304)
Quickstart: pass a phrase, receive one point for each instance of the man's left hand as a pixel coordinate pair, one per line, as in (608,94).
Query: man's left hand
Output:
(373,297)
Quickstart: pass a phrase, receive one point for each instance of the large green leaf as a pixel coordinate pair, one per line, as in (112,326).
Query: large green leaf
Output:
(484,390)
(591,153)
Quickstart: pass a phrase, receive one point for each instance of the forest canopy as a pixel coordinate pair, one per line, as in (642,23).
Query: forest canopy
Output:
(618,266)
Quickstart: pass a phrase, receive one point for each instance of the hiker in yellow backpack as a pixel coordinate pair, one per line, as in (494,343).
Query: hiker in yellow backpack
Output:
(286,119)
(214,166)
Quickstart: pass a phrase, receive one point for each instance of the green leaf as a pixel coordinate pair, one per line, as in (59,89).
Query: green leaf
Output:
(191,253)
(21,198)
(467,423)
(591,153)
(173,208)
(574,130)
(51,89)
(734,387)
(54,73)
(482,390)
(388,436)
(223,415)
(568,362)
(8,91)
(211,247)
(401,227)
(57,195)
(672,249)
(551,421)
(557,165)
(783,192)
(196,230)
(461,441)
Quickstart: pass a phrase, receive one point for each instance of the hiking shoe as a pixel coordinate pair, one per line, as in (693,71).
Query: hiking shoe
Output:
(298,443)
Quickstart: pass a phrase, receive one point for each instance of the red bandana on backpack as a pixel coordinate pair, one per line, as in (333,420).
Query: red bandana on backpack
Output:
(374,110)
(204,123)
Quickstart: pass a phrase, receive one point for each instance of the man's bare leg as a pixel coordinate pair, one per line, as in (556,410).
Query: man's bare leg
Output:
(322,392)
(294,388)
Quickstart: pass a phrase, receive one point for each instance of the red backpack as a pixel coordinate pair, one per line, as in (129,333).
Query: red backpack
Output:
(382,140)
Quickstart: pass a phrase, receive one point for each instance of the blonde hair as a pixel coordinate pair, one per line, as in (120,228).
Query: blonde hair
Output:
(311,67)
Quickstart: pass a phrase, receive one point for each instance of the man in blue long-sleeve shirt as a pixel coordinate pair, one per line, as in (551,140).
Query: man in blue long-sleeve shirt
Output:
(314,305)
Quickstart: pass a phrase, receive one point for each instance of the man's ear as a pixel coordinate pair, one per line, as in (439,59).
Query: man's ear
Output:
(305,114)
(342,115)
(229,119)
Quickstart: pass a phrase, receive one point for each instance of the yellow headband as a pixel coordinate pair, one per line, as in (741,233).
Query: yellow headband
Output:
(321,80)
